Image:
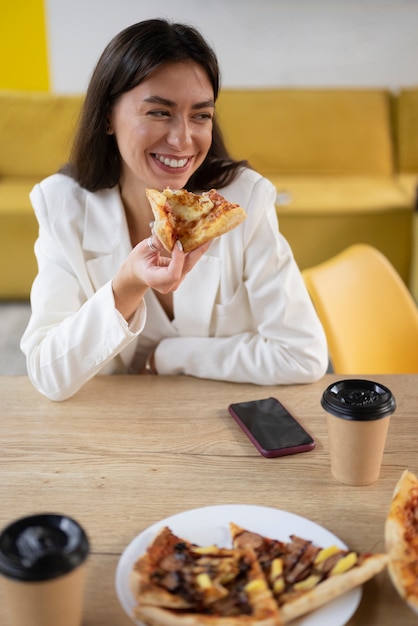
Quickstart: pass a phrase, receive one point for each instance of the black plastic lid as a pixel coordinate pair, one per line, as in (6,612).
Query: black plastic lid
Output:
(42,546)
(359,400)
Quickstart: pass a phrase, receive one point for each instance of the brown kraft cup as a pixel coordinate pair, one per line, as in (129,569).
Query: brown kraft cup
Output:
(42,562)
(358,416)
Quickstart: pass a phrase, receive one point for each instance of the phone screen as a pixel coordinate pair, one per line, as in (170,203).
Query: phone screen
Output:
(270,426)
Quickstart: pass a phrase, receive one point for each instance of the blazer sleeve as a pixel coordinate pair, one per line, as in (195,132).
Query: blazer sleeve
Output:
(285,342)
(74,331)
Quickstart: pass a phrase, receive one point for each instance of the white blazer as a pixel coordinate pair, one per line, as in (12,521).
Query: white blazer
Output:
(242,314)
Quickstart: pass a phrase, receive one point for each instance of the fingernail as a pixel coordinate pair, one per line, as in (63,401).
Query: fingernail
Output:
(179,245)
(151,225)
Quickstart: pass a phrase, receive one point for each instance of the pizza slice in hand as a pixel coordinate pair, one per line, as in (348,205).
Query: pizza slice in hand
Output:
(192,219)
(304,577)
(177,583)
(401,537)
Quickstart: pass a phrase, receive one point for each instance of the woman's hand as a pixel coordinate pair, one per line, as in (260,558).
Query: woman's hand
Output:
(164,273)
(148,267)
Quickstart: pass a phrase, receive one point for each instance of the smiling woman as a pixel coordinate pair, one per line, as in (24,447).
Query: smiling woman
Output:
(108,297)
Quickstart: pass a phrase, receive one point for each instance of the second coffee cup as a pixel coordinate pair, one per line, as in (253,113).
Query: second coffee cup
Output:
(358,416)
(42,562)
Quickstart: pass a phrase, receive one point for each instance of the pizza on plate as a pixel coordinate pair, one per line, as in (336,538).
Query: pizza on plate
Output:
(177,583)
(258,582)
(401,537)
(303,576)
(191,218)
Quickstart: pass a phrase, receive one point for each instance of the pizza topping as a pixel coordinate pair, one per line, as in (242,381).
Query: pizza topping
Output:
(204,581)
(204,549)
(255,586)
(251,540)
(325,553)
(303,555)
(344,564)
(411,517)
(329,563)
(308,583)
(173,562)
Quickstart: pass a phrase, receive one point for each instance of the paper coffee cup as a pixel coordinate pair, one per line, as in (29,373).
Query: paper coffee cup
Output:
(358,416)
(42,562)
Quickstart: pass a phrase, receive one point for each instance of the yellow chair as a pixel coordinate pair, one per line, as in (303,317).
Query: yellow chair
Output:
(369,316)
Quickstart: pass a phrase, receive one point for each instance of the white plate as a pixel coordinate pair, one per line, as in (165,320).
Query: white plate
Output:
(210,525)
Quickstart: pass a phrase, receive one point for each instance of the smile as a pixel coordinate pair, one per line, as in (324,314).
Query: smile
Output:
(174,163)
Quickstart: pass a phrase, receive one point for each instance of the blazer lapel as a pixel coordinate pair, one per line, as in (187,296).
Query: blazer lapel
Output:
(106,235)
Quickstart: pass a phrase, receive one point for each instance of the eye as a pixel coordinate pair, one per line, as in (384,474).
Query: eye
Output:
(204,116)
(159,113)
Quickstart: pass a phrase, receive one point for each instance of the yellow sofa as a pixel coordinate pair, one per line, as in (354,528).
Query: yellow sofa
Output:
(333,155)
(406,145)
(35,136)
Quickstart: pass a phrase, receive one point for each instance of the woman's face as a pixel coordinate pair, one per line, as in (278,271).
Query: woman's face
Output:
(163,127)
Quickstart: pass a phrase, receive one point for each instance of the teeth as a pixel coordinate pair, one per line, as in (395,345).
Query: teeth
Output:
(171,162)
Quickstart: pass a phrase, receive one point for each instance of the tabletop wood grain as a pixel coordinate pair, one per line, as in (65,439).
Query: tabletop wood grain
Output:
(126,452)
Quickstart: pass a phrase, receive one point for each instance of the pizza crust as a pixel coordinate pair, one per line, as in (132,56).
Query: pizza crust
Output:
(403,557)
(192,219)
(333,587)
(155,616)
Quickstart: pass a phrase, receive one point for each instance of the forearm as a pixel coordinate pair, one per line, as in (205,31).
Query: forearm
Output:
(65,352)
(128,291)
(246,357)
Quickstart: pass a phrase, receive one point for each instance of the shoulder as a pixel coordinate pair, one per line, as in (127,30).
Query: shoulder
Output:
(51,194)
(57,184)
(60,193)
(257,195)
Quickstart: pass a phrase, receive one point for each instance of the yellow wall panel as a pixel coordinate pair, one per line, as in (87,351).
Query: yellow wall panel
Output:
(23,46)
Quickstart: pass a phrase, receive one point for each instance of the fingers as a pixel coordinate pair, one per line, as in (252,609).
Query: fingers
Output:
(159,271)
(182,262)
(178,258)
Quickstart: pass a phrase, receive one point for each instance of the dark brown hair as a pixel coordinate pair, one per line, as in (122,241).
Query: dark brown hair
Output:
(129,59)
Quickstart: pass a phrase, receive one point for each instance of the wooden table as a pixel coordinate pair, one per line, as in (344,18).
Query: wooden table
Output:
(126,452)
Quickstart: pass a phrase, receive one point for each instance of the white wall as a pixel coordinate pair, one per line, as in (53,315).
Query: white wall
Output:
(372,43)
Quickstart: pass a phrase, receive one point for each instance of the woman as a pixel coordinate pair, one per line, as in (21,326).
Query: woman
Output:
(106,298)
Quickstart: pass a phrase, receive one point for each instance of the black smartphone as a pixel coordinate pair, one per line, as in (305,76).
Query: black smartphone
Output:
(271,428)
